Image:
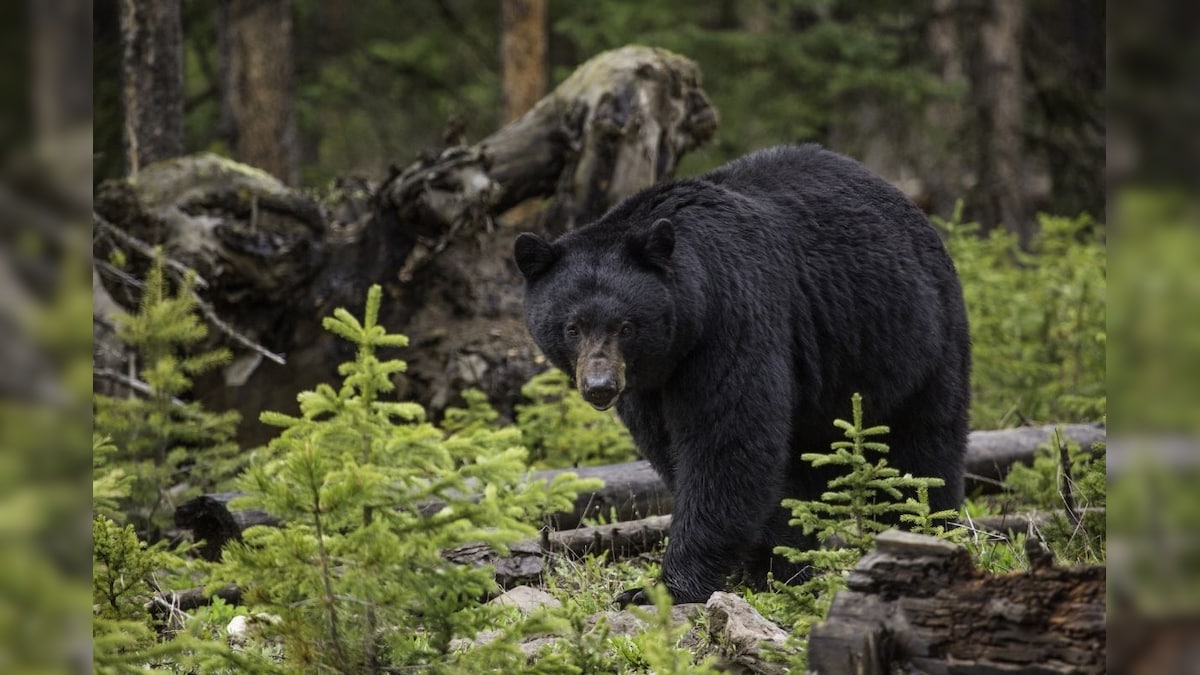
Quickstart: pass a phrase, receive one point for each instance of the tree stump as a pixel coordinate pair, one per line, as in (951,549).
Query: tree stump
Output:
(918,604)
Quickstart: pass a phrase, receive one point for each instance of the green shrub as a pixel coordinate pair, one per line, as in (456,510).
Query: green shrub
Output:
(860,503)
(371,495)
(562,430)
(1066,479)
(170,449)
(126,638)
(1037,320)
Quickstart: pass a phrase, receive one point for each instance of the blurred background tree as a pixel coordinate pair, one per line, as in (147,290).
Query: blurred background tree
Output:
(997,102)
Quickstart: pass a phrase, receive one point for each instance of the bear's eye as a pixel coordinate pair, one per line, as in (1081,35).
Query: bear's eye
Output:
(572,331)
(626,330)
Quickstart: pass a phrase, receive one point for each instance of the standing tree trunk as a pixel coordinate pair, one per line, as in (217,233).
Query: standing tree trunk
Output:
(523,55)
(62,48)
(260,89)
(942,169)
(998,91)
(152,81)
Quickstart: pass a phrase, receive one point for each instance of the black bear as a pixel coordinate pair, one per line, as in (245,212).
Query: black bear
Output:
(730,317)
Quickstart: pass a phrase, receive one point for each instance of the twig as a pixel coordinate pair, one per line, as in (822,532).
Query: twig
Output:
(147,250)
(131,382)
(119,274)
(184,271)
(1068,495)
(211,315)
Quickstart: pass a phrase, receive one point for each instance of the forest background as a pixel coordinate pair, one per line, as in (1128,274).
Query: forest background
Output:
(1152,310)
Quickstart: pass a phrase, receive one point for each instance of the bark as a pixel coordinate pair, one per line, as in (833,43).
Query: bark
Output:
(944,171)
(525,563)
(152,81)
(62,63)
(278,261)
(998,92)
(261,88)
(633,491)
(919,604)
(522,55)
(528,561)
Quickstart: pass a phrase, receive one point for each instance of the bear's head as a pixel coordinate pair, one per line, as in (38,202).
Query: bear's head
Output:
(599,303)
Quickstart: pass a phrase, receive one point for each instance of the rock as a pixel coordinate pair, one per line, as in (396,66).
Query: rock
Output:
(526,599)
(746,640)
(628,623)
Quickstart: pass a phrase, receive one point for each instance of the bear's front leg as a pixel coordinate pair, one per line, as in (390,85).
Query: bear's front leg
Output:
(730,465)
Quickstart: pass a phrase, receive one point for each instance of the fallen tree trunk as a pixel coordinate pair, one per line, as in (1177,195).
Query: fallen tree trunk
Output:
(633,490)
(525,563)
(919,604)
(276,261)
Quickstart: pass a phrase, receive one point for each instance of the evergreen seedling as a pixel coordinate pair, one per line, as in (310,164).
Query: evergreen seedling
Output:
(867,498)
(172,448)
(371,494)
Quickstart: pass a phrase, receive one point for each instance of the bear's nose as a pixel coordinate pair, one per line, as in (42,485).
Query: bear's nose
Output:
(599,390)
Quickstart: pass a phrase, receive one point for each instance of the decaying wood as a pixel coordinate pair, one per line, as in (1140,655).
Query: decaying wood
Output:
(278,260)
(919,604)
(632,490)
(990,454)
(167,602)
(619,540)
(525,563)
(212,521)
(1024,522)
(618,124)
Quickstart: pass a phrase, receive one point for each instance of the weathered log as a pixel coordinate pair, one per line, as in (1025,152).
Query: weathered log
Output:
(167,602)
(632,490)
(278,260)
(618,124)
(1023,522)
(919,604)
(526,562)
(990,454)
(212,521)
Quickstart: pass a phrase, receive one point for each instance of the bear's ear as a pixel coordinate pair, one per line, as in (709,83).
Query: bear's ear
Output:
(654,245)
(534,255)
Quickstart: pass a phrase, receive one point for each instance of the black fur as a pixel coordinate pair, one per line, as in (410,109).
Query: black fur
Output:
(761,296)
